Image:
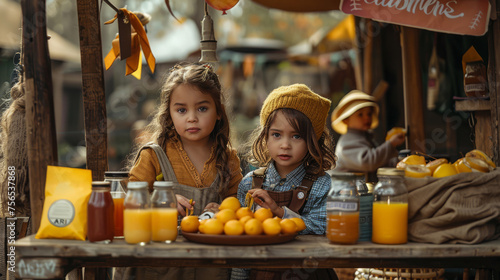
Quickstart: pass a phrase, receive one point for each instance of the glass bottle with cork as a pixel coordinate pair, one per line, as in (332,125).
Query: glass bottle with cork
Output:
(390,207)
(100,214)
(164,212)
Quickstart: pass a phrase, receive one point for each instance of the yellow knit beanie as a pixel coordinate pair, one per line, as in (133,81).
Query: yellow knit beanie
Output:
(300,98)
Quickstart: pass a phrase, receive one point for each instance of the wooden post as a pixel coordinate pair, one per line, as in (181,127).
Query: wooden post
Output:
(412,85)
(494,80)
(94,101)
(40,124)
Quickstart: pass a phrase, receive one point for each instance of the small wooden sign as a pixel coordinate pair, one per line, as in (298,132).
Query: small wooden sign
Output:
(465,17)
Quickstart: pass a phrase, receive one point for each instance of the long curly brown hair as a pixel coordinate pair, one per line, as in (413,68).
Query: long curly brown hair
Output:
(320,152)
(161,129)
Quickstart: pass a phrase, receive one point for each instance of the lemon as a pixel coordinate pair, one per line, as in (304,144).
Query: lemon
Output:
(480,154)
(288,226)
(432,165)
(461,167)
(233,227)
(476,164)
(417,171)
(225,215)
(230,203)
(213,226)
(190,224)
(245,219)
(300,223)
(411,160)
(244,211)
(271,226)
(394,131)
(262,214)
(445,170)
(253,227)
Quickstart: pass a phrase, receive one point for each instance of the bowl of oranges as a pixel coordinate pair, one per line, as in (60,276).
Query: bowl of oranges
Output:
(236,225)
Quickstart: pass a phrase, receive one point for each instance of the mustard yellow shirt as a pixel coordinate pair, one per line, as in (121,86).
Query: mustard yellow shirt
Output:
(147,167)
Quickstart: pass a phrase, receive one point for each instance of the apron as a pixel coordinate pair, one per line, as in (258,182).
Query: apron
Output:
(294,200)
(202,198)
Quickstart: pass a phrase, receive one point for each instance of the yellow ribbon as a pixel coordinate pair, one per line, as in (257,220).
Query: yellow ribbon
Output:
(139,40)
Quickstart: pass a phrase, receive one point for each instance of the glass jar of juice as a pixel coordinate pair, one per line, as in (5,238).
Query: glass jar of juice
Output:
(118,180)
(390,207)
(100,214)
(342,209)
(365,208)
(163,212)
(137,214)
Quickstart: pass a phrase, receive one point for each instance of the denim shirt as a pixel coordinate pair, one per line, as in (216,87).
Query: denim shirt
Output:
(314,211)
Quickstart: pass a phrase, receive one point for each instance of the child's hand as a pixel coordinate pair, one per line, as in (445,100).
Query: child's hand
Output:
(182,204)
(397,139)
(262,198)
(212,207)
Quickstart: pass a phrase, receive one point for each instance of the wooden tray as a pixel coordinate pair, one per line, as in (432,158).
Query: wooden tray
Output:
(238,239)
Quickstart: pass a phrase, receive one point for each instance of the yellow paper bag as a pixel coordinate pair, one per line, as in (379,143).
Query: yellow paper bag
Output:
(67,192)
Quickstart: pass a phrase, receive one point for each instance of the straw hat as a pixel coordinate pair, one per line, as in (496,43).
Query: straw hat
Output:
(350,103)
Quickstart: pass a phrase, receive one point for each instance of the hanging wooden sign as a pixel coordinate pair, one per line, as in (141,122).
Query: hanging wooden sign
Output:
(465,17)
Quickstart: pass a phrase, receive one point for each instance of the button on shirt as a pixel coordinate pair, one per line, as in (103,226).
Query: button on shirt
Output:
(314,211)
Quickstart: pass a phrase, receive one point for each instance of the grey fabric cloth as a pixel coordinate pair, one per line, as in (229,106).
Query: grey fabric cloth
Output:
(463,208)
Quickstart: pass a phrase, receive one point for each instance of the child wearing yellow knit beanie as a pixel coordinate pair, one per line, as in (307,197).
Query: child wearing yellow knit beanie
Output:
(294,149)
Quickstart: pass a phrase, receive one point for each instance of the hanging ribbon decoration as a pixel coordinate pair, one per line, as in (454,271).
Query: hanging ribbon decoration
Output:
(128,44)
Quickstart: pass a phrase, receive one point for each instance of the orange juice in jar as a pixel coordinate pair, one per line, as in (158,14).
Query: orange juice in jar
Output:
(118,180)
(118,216)
(390,223)
(390,208)
(137,214)
(343,228)
(164,225)
(137,226)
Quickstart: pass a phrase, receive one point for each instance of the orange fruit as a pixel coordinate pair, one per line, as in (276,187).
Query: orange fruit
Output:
(233,227)
(262,214)
(288,226)
(300,223)
(461,167)
(230,203)
(245,219)
(411,160)
(190,224)
(278,218)
(271,226)
(445,170)
(213,226)
(394,131)
(432,165)
(225,215)
(243,211)
(253,227)
(417,171)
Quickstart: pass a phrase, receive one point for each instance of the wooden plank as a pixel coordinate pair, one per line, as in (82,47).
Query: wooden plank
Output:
(473,105)
(41,268)
(40,124)
(412,84)
(94,100)
(494,82)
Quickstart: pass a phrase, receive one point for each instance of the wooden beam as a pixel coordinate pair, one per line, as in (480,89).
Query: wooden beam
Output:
(94,100)
(40,125)
(494,81)
(412,85)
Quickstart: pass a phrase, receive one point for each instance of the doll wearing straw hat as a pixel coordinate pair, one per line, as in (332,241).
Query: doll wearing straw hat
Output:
(354,118)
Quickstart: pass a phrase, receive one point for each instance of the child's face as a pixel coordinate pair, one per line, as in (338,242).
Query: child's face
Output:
(193,113)
(285,145)
(361,119)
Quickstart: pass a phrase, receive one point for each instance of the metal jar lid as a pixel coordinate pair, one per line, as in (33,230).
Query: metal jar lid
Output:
(387,171)
(116,174)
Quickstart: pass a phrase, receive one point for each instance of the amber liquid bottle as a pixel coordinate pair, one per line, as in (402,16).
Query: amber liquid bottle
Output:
(100,214)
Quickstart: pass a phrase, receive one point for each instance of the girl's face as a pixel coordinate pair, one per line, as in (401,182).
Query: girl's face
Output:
(361,119)
(285,145)
(193,113)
